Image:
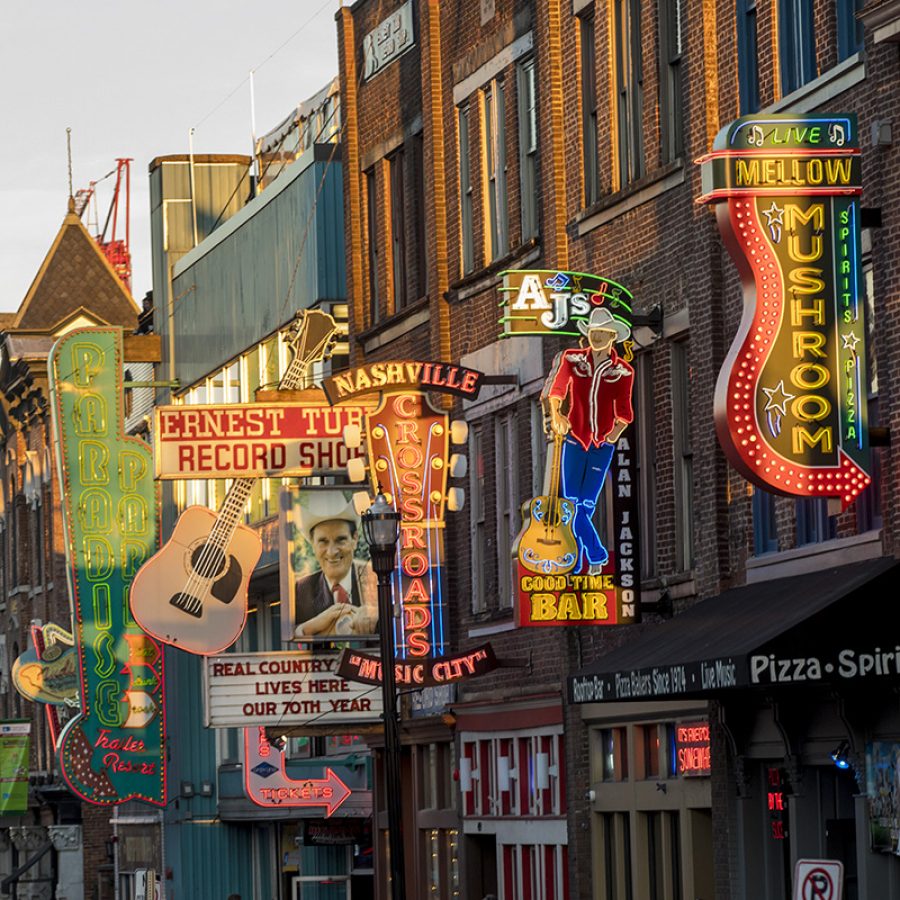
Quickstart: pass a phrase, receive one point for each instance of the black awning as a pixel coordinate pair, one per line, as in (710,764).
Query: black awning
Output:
(834,625)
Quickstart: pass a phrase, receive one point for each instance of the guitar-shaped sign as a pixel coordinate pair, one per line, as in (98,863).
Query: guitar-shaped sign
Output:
(546,544)
(193,593)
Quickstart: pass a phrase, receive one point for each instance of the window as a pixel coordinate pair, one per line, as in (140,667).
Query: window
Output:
(796,46)
(589,109)
(372,237)
(670,107)
(495,167)
(615,839)
(684,472)
(629,96)
(398,229)
(418,211)
(507,480)
(765,529)
(748,56)
(849,28)
(465,191)
(528,198)
(645,425)
(476,507)
(814,525)
(663,855)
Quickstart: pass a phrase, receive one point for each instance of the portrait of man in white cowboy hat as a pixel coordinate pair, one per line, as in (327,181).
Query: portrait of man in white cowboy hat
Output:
(340,597)
(588,399)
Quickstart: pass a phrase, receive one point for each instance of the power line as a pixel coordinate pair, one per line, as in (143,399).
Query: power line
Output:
(257,67)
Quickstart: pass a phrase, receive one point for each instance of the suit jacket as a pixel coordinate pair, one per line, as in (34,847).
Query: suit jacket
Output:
(313,593)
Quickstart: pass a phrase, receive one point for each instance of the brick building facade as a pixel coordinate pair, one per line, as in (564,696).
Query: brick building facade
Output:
(562,135)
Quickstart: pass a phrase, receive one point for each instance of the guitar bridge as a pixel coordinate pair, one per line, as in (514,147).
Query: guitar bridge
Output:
(186,603)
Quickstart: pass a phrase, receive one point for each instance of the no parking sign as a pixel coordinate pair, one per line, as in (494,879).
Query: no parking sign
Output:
(818,879)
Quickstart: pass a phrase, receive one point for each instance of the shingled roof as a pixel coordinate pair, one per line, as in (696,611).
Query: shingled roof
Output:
(75,279)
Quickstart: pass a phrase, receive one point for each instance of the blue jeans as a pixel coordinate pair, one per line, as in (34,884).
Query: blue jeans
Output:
(583,474)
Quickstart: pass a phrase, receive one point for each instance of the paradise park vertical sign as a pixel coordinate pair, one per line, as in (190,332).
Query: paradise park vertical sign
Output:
(114,749)
(790,403)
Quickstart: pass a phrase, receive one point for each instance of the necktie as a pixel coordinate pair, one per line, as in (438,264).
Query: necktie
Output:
(340,593)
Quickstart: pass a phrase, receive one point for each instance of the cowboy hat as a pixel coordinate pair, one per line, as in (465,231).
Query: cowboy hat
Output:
(315,507)
(603,318)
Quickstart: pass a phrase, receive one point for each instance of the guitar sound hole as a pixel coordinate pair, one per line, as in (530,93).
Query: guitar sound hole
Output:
(208,562)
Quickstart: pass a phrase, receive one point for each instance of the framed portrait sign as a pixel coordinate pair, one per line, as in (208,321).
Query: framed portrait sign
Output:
(328,586)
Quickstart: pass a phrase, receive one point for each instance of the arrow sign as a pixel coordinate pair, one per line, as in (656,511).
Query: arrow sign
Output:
(267,783)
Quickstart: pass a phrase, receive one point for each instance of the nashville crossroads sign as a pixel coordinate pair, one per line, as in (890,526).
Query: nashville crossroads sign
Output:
(252,440)
(790,404)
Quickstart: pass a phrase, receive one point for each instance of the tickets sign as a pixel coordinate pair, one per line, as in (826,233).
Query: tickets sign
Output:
(114,750)
(790,402)
(286,689)
(253,440)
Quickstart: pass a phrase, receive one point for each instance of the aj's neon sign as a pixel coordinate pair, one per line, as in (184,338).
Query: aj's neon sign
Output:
(791,397)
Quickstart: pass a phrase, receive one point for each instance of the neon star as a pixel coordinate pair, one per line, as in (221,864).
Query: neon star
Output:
(774,215)
(850,341)
(778,398)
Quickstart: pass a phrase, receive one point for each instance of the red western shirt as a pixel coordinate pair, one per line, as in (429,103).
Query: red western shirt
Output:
(598,396)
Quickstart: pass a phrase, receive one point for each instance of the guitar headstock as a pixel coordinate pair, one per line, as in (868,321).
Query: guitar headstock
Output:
(312,338)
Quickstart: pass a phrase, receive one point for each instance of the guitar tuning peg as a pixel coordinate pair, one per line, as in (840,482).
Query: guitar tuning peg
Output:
(456,499)
(361,502)
(459,465)
(459,431)
(353,436)
(356,469)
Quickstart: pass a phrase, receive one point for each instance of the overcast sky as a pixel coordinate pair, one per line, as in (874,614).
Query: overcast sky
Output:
(131,79)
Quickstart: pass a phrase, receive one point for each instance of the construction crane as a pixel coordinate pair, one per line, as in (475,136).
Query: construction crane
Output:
(115,249)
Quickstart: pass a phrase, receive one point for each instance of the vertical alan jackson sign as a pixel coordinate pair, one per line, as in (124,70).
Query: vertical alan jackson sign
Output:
(577,552)
(791,397)
(113,750)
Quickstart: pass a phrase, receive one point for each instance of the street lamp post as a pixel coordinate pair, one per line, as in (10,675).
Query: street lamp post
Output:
(381,525)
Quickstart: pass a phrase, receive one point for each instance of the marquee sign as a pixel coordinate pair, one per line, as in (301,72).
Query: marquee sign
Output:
(790,402)
(252,440)
(567,574)
(547,301)
(114,750)
(286,689)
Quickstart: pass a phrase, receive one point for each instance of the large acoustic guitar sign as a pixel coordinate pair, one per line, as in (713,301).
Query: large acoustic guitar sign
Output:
(114,749)
(791,397)
(193,593)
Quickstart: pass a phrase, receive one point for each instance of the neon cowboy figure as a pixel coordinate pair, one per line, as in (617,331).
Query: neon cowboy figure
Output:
(598,385)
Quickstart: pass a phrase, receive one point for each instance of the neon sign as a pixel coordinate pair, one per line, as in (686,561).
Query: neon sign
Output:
(692,748)
(114,750)
(358,666)
(267,783)
(790,403)
(566,573)
(547,301)
(408,450)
